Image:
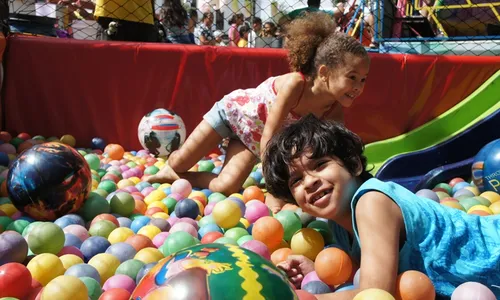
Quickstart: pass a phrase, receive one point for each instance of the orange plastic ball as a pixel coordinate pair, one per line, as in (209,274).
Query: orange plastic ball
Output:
(269,231)
(280,255)
(211,237)
(108,217)
(114,151)
(414,285)
(333,266)
(253,193)
(139,242)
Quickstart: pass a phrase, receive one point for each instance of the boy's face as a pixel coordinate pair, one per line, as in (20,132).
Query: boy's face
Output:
(322,187)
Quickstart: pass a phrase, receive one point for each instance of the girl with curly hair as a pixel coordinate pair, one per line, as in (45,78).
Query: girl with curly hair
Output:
(328,71)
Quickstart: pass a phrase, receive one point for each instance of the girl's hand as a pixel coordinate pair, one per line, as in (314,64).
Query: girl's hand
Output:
(296,267)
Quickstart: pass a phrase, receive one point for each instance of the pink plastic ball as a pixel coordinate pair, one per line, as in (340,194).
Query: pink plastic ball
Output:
(7,148)
(147,190)
(176,196)
(77,230)
(16,215)
(119,281)
(130,189)
(182,186)
(172,221)
(190,221)
(114,163)
(472,290)
(311,276)
(70,250)
(255,211)
(209,208)
(183,226)
(138,197)
(160,238)
(124,168)
(257,247)
(127,174)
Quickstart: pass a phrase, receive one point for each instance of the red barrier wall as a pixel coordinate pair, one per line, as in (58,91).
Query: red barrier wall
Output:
(59,86)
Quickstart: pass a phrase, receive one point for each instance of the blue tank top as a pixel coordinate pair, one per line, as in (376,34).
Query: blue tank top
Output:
(448,245)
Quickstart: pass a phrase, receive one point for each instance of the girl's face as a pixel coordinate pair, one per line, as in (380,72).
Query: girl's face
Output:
(347,82)
(322,187)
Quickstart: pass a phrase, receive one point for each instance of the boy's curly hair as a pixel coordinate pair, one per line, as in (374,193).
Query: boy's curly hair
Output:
(312,41)
(321,139)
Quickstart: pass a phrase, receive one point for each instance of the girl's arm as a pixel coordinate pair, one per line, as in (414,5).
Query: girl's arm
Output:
(380,223)
(287,98)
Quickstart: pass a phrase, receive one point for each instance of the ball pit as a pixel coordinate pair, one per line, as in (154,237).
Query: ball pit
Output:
(126,226)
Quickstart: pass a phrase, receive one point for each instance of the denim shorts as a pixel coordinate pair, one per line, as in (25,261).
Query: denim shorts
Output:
(216,117)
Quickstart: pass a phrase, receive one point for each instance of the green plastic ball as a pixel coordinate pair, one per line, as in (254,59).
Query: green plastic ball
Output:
(123,204)
(102,228)
(95,205)
(46,237)
(93,161)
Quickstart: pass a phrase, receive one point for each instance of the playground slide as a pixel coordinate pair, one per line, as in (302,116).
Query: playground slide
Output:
(477,106)
(417,169)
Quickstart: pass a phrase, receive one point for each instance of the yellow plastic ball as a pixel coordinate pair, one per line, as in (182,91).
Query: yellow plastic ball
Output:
(200,206)
(307,242)
(482,208)
(164,186)
(198,194)
(237,195)
(149,255)
(8,208)
(198,218)
(373,294)
(105,264)
(245,222)
(150,231)
(45,267)
(159,164)
(492,196)
(94,172)
(156,195)
(453,204)
(495,208)
(473,189)
(69,140)
(135,179)
(160,205)
(65,288)
(69,260)
(120,235)
(124,183)
(141,161)
(226,214)
(160,215)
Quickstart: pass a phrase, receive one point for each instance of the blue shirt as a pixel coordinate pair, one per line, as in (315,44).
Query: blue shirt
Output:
(448,245)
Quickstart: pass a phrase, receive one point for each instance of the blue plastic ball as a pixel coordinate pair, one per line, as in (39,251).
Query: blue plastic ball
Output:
(98,143)
(187,208)
(93,246)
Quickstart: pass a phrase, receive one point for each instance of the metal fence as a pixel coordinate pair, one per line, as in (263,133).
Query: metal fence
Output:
(456,27)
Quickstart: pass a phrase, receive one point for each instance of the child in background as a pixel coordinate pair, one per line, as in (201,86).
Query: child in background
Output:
(329,71)
(244,30)
(319,165)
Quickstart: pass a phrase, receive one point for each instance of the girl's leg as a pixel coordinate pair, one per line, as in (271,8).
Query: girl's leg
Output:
(203,139)
(237,166)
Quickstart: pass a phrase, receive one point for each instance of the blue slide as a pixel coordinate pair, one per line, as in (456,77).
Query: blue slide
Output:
(451,158)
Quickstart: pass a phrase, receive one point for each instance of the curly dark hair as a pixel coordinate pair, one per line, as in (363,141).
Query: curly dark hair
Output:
(312,42)
(322,138)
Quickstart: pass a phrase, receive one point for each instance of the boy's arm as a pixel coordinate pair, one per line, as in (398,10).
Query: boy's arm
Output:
(380,223)
(287,98)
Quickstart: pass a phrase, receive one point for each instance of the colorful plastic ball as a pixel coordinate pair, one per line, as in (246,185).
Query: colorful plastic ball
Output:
(108,217)
(115,294)
(102,228)
(149,230)
(69,260)
(414,285)
(149,255)
(124,222)
(93,161)
(160,238)
(94,290)
(316,287)
(290,221)
(429,194)
(94,206)
(15,280)
(45,267)
(269,231)
(119,282)
(280,255)
(257,247)
(114,151)
(122,251)
(373,294)
(186,227)
(236,233)
(68,139)
(181,187)
(304,295)
(333,266)
(176,241)
(226,214)
(143,271)
(139,222)
(323,228)
(93,246)
(13,247)
(105,264)
(472,290)
(83,270)
(122,203)
(161,224)
(255,210)
(130,268)
(187,208)
(71,219)
(139,242)
(311,276)
(307,242)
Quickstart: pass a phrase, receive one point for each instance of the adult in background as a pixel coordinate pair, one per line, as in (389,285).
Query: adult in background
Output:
(175,20)
(233,33)
(255,32)
(126,20)
(203,34)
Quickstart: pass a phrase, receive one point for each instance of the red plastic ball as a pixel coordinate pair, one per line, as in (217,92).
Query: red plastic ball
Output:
(15,280)
(115,294)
